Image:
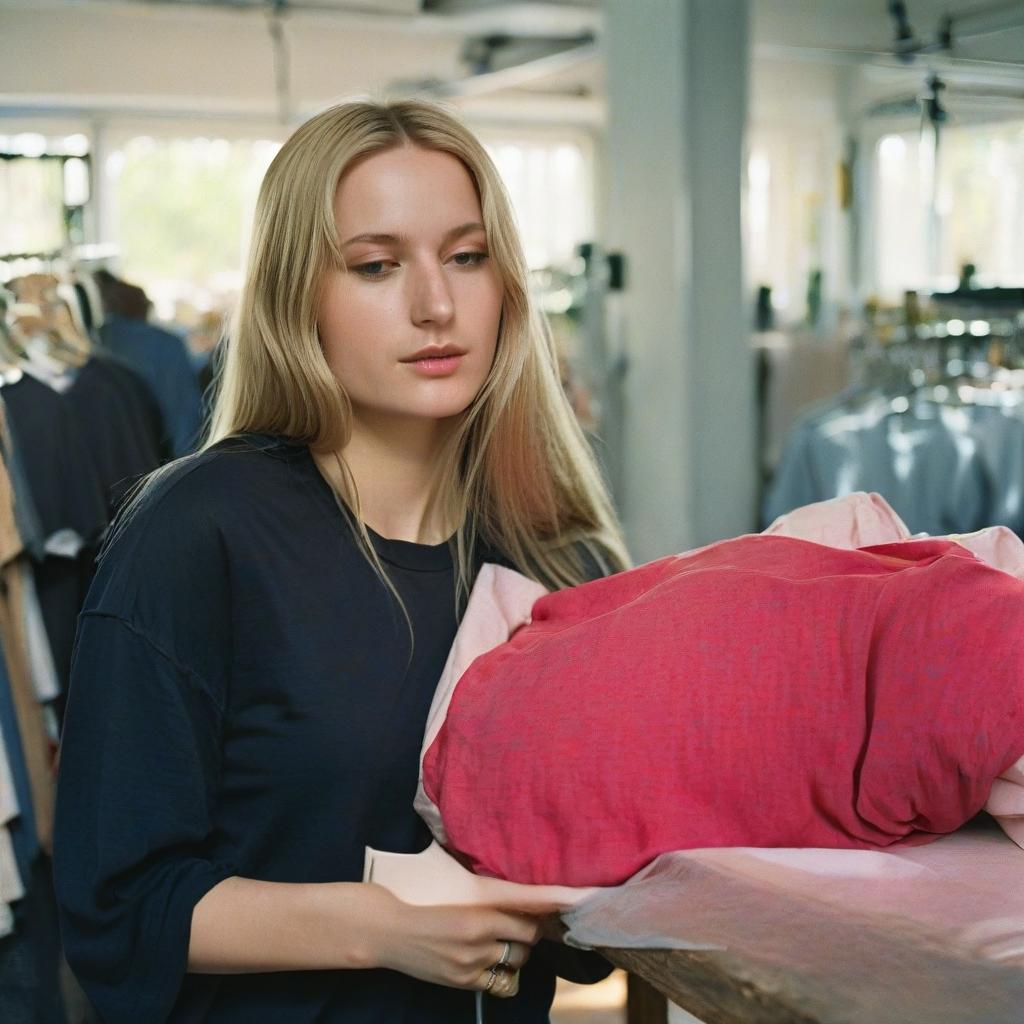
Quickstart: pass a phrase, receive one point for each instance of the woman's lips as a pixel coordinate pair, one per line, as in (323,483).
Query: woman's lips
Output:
(436,366)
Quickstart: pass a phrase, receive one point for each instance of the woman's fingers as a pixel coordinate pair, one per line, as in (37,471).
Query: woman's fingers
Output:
(501,979)
(512,954)
(462,946)
(500,982)
(515,927)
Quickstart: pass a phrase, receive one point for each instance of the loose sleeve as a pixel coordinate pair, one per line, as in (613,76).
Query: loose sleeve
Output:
(140,762)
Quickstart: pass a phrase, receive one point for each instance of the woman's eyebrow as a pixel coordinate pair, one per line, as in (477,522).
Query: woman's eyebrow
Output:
(384,239)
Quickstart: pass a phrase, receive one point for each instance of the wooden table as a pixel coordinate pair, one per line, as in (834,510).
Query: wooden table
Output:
(930,986)
(847,964)
(720,988)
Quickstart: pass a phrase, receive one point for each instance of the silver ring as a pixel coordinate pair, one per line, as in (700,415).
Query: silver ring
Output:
(505,955)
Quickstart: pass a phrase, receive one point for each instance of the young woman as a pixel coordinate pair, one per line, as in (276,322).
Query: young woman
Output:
(259,649)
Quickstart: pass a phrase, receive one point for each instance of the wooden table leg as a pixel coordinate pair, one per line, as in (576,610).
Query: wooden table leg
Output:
(644,1003)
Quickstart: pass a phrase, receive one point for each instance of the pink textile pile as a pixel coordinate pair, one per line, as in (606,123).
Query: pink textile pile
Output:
(763,691)
(860,519)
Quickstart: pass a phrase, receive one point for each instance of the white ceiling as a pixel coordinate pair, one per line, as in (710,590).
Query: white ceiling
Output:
(866,24)
(172,58)
(215,58)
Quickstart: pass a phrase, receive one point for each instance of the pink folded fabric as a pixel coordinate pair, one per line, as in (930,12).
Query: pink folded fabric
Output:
(856,520)
(860,519)
(997,545)
(502,600)
(764,691)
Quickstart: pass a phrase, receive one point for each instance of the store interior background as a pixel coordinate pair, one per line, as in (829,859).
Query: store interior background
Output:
(724,202)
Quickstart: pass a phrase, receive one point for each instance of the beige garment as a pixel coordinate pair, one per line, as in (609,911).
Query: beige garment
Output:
(29,713)
(11,887)
(44,672)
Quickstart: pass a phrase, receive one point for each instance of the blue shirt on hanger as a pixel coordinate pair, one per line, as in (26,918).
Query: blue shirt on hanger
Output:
(163,362)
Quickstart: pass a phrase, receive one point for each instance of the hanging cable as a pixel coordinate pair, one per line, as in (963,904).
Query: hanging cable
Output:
(904,30)
(282,61)
(905,44)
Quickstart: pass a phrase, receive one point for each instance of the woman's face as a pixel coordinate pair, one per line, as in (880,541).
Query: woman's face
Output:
(409,328)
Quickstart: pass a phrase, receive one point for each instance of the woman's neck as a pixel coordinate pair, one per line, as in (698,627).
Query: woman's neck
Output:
(394,467)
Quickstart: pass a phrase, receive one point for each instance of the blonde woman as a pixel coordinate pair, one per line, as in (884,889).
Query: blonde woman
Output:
(259,649)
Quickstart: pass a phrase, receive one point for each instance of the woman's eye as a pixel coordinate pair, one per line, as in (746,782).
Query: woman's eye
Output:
(469,259)
(380,268)
(373,269)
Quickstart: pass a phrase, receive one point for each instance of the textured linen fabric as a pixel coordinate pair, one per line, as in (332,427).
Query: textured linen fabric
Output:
(860,519)
(764,691)
(856,520)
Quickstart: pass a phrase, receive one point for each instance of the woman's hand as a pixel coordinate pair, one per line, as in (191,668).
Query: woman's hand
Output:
(247,926)
(454,945)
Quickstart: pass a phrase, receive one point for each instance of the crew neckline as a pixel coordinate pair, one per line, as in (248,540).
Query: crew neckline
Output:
(404,554)
(408,554)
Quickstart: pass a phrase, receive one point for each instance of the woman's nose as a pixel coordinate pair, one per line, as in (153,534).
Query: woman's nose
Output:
(432,301)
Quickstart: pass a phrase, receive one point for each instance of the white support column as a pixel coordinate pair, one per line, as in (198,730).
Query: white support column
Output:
(677,82)
(104,227)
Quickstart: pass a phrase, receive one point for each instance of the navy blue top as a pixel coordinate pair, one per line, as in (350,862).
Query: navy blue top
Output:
(244,701)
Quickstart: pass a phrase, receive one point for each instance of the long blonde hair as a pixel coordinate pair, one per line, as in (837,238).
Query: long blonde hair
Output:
(516,473)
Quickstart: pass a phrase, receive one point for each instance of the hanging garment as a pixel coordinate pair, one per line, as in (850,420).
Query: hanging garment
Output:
(74,453)
(161,360)
(44,673)
(924,461)
(996,433)
(764,691)
(62,483)
(30,982)
(35,742)
(800,371)
(29,525)
(24,835)
(11,888)
(119,424)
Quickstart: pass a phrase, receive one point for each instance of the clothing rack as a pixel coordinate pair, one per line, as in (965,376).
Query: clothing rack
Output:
(934,421)
(77,428)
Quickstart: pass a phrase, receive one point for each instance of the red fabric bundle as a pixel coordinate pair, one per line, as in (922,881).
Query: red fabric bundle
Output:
(764,691)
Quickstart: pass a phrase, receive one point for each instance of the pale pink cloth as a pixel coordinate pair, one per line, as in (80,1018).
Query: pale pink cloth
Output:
(502,601)
(926,934)
(858,520)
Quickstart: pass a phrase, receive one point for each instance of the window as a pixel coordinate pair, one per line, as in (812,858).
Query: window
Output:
(44,186)
(979,208)
(31,205)
(183,210)
(789,217)
(550,184)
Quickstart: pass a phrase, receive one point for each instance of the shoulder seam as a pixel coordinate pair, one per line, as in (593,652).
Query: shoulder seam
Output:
(152,643)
